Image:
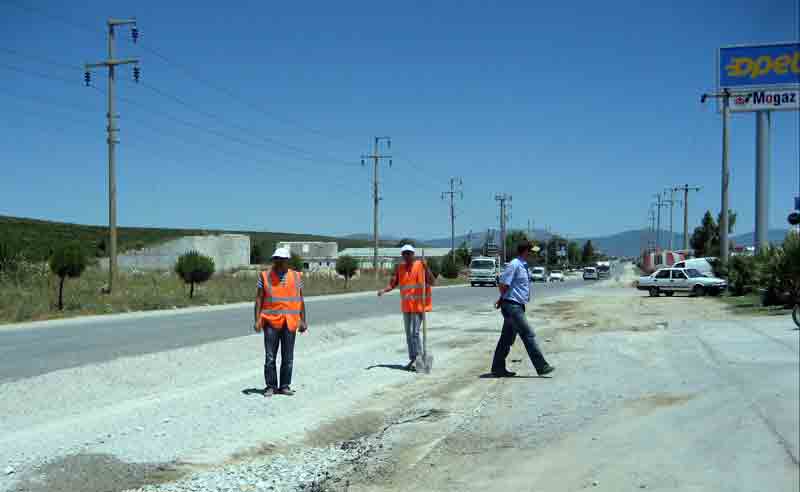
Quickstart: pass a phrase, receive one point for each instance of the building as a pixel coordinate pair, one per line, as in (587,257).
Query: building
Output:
(229,252)
(388,257)
(317,256)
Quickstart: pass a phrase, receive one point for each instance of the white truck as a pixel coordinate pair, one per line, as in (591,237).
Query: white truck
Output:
(484,270)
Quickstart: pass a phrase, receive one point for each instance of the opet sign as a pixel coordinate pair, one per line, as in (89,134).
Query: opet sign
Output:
(765,67)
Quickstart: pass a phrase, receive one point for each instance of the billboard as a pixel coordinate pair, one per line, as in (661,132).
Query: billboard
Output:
(766,100)
(767,66)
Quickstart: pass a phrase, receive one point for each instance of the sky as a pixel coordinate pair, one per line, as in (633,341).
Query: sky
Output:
(254,115)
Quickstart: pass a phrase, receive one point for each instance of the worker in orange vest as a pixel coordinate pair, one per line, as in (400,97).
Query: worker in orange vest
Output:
(280,311)
(410,275)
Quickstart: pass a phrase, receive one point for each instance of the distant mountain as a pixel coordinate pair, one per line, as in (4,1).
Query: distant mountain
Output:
(478,239)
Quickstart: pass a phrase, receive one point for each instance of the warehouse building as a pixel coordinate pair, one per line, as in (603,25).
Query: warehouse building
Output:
(388,257)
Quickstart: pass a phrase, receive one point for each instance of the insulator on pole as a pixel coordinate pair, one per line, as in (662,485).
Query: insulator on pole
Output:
(87,78)
(136,74)
(135,33)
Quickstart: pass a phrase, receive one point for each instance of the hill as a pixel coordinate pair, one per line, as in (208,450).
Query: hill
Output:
(38,237)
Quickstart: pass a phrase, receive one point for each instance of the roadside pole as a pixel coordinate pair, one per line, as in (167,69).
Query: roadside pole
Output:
(762,180)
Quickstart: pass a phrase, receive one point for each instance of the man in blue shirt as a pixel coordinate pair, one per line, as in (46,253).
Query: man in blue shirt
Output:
(515,293)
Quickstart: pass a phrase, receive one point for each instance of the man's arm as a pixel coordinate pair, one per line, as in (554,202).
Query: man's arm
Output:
(303,316)
(257,310)
(505,282)
(429,278)
(392,283)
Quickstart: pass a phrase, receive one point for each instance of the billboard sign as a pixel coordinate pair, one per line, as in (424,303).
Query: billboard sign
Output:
(766,100)
(767,66)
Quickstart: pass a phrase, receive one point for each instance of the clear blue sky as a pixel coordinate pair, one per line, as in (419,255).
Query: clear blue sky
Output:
(580,110)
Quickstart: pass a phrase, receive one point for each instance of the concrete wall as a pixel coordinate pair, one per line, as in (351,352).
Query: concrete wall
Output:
(311,249)
(229,251)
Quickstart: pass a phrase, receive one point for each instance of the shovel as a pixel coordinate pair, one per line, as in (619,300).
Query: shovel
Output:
(424,362)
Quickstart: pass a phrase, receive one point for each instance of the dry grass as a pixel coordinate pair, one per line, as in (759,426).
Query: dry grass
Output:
(34,297)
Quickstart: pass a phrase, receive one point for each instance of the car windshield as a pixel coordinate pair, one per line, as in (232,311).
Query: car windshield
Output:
(482,264)
(589,270)
(693,273)
(556,272)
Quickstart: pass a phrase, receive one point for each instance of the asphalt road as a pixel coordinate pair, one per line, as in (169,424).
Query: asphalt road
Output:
(27,352)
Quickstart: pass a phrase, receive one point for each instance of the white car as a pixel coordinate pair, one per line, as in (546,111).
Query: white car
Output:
(689,280)
(538,274)
(556,276)
(590,273)
(483,270)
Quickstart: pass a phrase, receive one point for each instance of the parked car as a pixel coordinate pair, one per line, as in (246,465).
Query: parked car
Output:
(556,276)
(689,280)
(703,265)
(483,270)
(538,274)
(590,273)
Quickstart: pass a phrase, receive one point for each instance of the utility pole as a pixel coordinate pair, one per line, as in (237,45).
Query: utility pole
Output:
(452,193)
(652,221)
(111,63)
(671,202)
(659,205)
(686,189)
(376,156)
(725,95)
(503,199)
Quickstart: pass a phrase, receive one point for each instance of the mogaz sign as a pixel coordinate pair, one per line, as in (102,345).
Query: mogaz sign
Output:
(768,66)
(762,100)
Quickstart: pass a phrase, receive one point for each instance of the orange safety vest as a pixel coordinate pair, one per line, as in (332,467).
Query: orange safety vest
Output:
(282,303)
(411,281)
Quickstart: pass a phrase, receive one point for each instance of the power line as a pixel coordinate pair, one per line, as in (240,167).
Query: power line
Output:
(43,59)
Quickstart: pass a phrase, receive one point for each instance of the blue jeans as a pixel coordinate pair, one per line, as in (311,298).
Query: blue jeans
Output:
(273,339)
(515,323)
(412,322)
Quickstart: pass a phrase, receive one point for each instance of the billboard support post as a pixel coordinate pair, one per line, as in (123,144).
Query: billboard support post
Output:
(762,179)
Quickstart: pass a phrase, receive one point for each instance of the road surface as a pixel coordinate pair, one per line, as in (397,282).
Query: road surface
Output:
(27,352)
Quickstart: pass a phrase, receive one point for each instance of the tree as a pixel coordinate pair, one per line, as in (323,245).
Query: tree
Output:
(573,253)
(435,265)
(449,267)
(68,260)
(194,268)
(256,253)
(296,262)
(587,256)
(705,240)
(405,241)
(463,254)
(346,266)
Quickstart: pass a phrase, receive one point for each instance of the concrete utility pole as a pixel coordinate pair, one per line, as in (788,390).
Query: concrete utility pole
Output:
(376,157)
(725,95)
(686,189)
(111,63)
(762,180)
(503,199)
(452,193)
(671,202)
(652,221)
(661,203)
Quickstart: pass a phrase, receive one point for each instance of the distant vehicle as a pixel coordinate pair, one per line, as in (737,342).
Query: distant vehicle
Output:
(654,260)
(483,270)
(702,264)
(556,276)
(603,269)
(689,280)
(538,274)
(590,273)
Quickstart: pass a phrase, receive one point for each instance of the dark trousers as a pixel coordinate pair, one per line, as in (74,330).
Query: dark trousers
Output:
(273,338)
(515,323)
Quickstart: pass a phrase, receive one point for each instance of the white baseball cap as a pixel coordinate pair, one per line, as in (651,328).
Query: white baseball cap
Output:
(281,253)
(407,247)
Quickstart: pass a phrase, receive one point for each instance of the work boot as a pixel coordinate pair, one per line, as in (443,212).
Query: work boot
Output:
(287,391)
(547,370)
(268,392)
(411,366)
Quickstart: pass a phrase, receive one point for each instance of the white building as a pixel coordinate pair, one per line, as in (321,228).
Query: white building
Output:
(317,256)
(388,257)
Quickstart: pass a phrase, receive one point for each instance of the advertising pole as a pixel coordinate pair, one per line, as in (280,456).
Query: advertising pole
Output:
(762,179)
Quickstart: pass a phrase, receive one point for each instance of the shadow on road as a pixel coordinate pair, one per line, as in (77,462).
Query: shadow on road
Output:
(396,367)
(253,391)
(489,375)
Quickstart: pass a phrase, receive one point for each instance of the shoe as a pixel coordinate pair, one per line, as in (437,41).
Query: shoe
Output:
(268,392)
(504,374)
(411,366)
(547,370)
(286,391)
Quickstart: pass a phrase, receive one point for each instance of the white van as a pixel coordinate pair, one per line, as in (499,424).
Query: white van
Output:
(703,265)
(483,270)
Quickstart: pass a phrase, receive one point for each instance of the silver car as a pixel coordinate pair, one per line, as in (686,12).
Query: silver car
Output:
(689,280)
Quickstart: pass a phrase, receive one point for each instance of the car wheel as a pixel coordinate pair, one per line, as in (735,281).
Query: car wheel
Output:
(473,284)
(669,294)
(698,291)
(654,292)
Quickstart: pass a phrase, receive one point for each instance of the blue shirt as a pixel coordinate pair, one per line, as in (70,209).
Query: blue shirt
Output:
(515,276)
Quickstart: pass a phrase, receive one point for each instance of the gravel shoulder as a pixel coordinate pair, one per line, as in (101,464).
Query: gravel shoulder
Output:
(662,394)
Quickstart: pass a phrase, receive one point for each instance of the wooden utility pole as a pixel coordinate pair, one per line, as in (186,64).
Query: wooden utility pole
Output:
(376,157)
(452,194)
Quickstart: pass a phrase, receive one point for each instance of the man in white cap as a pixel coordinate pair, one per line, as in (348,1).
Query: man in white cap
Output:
(280,311)
(411,275)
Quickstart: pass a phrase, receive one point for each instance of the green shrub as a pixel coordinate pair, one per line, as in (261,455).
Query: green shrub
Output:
(346,266)
(435,265)
(194,268)
(742,274)
(10,257)
(68,260)
(296,262)
(449,267)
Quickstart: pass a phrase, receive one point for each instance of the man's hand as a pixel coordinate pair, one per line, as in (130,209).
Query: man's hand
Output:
(257,326)
(497,304)
(303,326)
